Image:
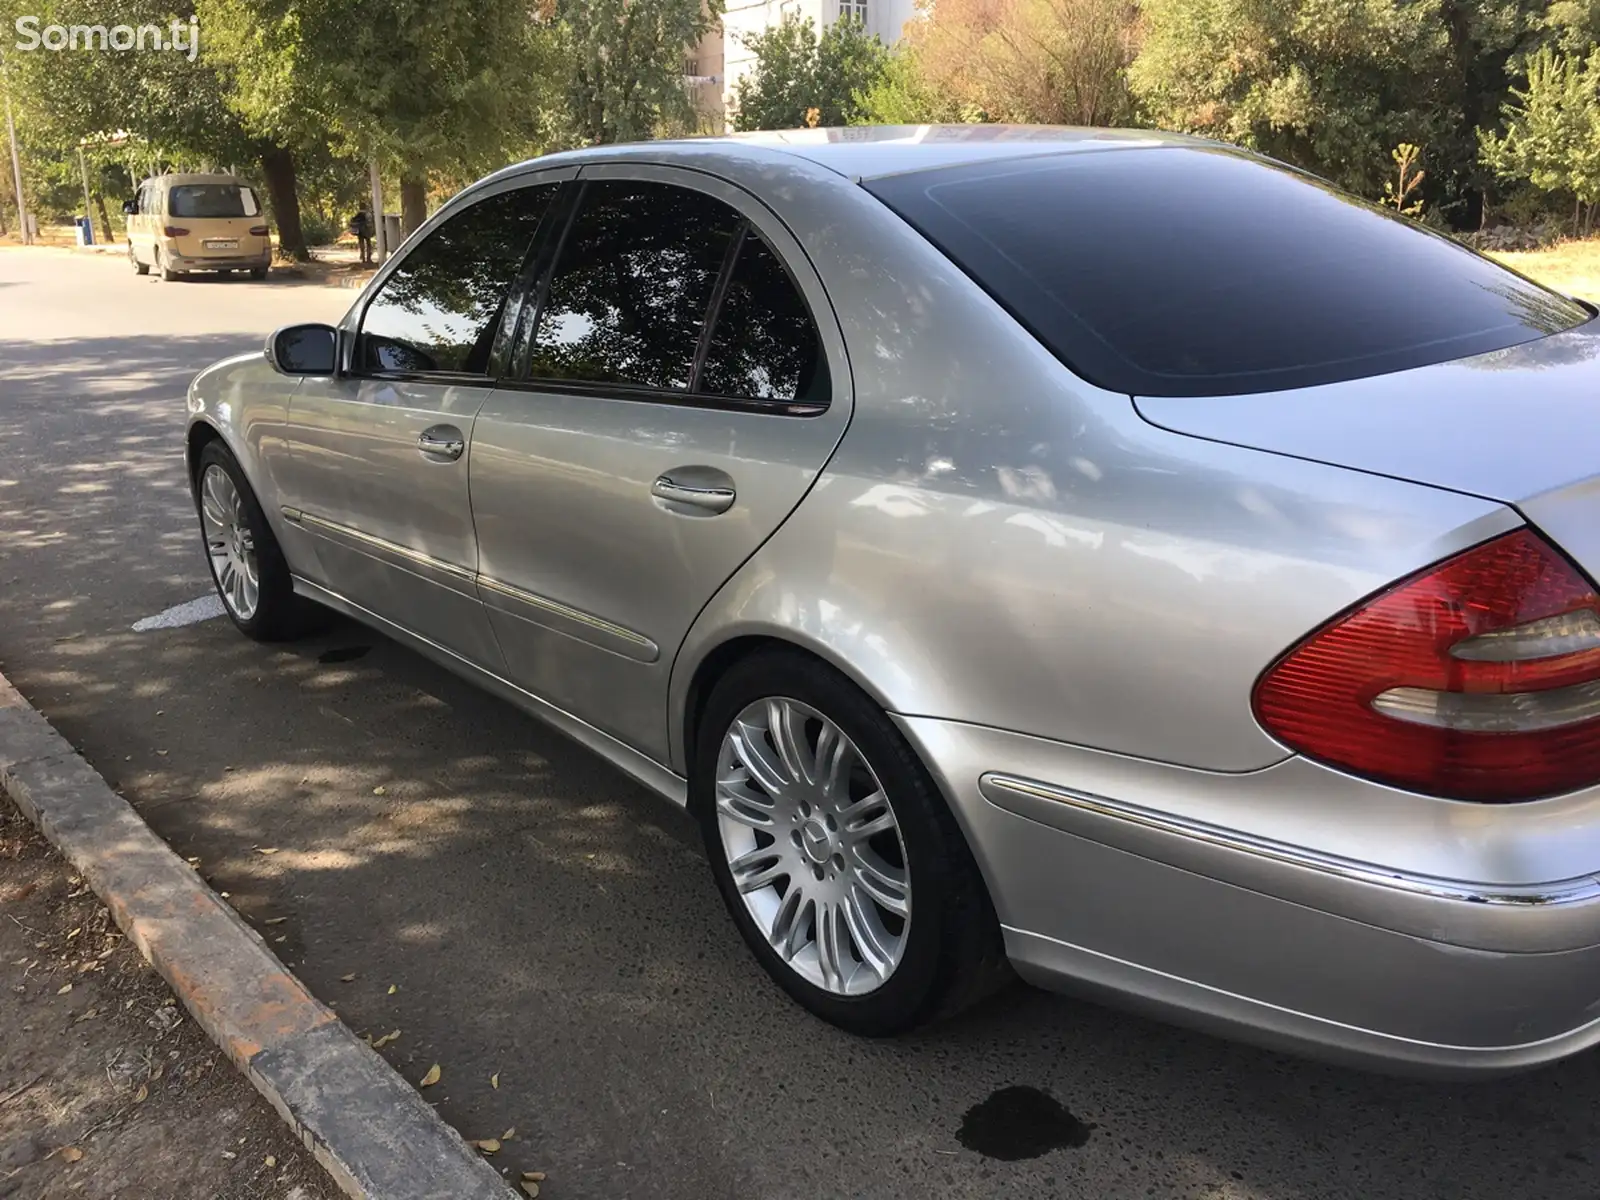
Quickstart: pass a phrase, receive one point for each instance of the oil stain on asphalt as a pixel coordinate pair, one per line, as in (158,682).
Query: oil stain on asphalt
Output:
(341,654)
(1020,1122)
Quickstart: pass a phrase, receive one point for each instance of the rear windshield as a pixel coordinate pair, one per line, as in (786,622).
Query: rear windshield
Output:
(211,200)
(1187,271)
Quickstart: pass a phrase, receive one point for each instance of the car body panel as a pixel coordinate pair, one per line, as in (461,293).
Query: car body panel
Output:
(568,527)
(1511,425)
(382,521)
(957,555)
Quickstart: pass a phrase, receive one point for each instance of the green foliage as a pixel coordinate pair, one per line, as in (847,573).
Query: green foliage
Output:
(1333,85)
(625,66)
(1397,191)
(1552,128)
(796,71)
(904,95)
(421,85)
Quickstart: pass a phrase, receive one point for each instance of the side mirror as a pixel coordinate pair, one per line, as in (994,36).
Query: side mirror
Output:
(130,208)
(304,350)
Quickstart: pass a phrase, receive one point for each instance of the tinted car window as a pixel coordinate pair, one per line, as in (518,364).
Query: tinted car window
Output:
(440,308)
(764,345)
(1179,271)
(629,292)
(211,200)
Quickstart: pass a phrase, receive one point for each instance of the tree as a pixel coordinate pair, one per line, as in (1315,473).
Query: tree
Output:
(420,86)
(175,111)
(1060,62)
(796,70)
(904,95)
(1335,85)
(1552,129)
(625,78)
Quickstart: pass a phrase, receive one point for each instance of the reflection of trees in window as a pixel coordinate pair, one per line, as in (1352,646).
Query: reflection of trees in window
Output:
(443,301)
(629,295)
(764,345)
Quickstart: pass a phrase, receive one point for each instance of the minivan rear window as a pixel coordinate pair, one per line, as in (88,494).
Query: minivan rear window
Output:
(1198,271)
(211,200)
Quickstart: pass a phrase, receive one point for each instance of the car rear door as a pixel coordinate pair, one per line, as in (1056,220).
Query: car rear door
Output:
(376,483)
(683,382)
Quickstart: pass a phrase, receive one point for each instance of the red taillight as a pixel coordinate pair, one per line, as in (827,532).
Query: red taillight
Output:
(259,231)
(1477,679)
(174,231)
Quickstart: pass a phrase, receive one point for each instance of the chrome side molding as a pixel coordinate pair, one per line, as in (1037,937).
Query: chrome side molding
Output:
(1014,794)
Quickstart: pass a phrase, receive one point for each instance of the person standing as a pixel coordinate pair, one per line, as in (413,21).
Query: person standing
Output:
(361,226)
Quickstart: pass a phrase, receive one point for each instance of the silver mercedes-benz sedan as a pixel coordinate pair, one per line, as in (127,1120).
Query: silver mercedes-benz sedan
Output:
(1106,556)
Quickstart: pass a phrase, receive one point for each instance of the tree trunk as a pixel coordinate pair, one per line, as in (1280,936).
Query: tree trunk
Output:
(413,203)
(277,164)
(105,218)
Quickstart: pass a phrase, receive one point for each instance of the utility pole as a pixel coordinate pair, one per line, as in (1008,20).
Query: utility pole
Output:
(380,238)
(88,204)
(16,162)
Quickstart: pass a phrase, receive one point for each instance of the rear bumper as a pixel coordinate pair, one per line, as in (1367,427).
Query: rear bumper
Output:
(1461,942)
(219,262)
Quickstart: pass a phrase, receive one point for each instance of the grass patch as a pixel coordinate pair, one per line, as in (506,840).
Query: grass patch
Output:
(1571,267)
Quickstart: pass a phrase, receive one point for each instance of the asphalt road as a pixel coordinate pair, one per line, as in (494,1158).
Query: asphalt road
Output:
(519,911)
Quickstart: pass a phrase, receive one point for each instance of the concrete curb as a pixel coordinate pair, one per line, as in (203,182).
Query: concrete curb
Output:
(374,1134)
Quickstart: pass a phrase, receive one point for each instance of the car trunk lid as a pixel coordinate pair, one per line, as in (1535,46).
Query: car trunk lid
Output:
(1520,425)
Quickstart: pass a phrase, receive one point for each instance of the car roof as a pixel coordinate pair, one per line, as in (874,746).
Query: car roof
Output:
(873,151)
(176,179)
(870,151)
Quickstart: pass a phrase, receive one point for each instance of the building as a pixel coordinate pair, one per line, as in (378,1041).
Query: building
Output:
(722,57)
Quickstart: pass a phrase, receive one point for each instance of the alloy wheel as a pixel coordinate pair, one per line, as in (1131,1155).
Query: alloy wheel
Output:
(230,545)
(813,846)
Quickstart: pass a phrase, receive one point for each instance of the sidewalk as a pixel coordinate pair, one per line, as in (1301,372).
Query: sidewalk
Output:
(107,1088)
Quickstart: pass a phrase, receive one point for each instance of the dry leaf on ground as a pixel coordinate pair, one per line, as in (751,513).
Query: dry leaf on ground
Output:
(385,1040)
(347,978)
(266,849)
(530,1187)
(380,790)
(63,989)
(432,1077)
(70,1154)
(494,1080)
(509,1134)
(488,1145)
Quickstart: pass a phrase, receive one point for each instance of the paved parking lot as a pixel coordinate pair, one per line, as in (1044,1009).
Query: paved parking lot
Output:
(443,866)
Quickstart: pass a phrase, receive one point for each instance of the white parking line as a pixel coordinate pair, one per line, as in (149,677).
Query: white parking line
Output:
(192,613)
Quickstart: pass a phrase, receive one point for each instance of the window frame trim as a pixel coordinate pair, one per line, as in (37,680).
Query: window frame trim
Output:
(355,319)
(757,216)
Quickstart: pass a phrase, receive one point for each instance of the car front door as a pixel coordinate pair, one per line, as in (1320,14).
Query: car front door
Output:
(376,487)
(682,382)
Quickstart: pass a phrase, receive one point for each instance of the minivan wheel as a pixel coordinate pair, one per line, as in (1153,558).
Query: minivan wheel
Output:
(835,853)
(246,562)
(258,272)
(167,273)
(139,268)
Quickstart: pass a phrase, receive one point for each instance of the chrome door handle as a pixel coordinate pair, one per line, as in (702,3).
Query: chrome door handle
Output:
(712,499)
(440,444)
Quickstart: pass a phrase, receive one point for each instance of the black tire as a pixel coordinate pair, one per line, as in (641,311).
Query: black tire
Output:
(168,275)
(953,955)
(279,615)
(139,268)
(258,272)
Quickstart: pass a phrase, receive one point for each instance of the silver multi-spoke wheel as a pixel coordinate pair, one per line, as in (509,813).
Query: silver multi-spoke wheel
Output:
(813,846)
(229,543)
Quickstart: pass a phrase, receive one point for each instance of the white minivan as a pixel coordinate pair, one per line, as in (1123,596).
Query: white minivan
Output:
(184,223)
